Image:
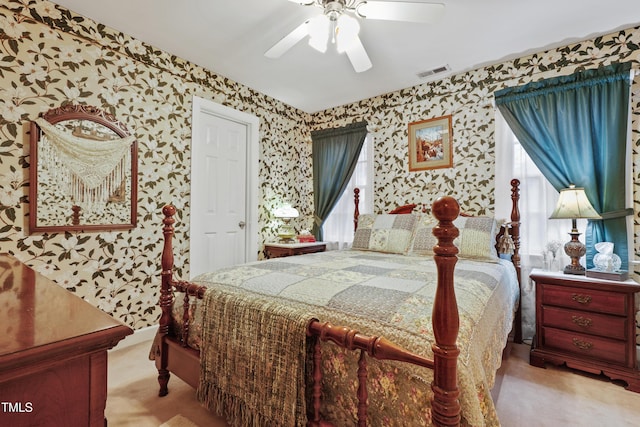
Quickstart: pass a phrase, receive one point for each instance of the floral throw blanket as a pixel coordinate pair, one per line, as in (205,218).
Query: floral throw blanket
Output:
(388,295)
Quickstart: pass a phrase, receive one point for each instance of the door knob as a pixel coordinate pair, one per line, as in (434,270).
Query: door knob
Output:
(241,224)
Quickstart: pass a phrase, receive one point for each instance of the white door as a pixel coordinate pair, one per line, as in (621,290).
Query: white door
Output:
(220,179)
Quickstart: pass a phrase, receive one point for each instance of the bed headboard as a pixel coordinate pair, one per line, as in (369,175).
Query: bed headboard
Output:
(404,209)
(510,229)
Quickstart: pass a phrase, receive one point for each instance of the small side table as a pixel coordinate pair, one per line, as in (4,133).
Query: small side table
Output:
(586,323)
(277,250)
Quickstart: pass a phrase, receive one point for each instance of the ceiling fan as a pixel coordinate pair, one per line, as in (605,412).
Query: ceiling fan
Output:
(338,23)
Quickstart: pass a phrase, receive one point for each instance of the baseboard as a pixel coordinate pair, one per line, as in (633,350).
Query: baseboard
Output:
(138,336)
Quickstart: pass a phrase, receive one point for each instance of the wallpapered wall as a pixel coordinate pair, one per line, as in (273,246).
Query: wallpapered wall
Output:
(51,56)
(468,97)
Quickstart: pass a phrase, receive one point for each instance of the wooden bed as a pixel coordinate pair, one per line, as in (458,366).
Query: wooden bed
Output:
(172,353)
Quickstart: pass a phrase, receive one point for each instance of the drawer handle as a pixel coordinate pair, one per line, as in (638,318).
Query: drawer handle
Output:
(581,299)
(585,322)
(582,345)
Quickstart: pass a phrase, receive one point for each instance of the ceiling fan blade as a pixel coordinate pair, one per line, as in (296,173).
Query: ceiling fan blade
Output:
(358,56)
(288,41)
(401,11)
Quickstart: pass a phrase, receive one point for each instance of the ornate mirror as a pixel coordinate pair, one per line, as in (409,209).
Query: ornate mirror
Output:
(83,172)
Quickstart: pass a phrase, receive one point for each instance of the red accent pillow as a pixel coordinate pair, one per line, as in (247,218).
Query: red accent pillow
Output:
(406,209)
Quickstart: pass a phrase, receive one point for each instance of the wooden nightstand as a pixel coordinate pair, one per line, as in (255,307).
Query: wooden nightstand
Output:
(277,250)
(587,323)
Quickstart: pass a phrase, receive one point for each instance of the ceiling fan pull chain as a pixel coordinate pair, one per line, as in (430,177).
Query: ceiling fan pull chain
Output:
(334,29)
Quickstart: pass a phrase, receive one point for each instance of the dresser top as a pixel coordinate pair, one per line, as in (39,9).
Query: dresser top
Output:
(38,315)
(537,273)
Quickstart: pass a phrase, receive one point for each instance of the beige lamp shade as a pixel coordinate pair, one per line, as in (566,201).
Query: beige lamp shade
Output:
(286,211)
(573,203)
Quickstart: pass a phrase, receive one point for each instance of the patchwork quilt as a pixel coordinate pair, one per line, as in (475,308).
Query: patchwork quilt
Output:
(390,295)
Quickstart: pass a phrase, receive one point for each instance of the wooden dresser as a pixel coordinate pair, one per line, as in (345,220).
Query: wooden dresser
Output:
(53,352)
(587,323)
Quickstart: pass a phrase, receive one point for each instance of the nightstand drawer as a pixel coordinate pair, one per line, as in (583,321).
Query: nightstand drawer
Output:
(585,345)
(586,322)
(585,299)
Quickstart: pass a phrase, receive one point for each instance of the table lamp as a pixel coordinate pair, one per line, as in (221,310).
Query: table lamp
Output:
(573,204)
(286,232)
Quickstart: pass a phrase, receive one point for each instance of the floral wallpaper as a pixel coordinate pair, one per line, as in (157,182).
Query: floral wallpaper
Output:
(51,56)
(468,97)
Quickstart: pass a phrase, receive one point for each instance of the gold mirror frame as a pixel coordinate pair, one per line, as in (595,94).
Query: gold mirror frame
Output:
(96,115)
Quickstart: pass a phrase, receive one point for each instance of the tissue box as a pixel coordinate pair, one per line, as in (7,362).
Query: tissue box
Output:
(306,238)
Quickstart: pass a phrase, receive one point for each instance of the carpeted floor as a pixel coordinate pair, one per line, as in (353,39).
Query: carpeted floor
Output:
(179,421)
(525,396)
(558,396)
(133,400)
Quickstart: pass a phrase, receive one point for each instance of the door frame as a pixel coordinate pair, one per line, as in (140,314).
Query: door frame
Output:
(252,122)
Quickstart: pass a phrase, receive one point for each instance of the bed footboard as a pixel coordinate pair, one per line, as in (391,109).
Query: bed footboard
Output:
(376,347)
(445,405)
(181,361)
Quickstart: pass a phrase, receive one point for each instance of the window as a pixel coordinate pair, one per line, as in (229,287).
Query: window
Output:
(537,201)
(338,228)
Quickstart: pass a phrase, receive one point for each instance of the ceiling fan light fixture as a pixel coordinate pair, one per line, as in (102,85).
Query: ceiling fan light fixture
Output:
(338,21)
(319,32)
(347,30)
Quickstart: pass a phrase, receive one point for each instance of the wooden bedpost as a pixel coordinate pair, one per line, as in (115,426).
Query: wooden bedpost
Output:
(356,210)
(166,298)
(445,406)
(515,258)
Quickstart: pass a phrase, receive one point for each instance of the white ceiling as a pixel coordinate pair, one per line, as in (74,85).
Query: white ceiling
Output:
(230,37)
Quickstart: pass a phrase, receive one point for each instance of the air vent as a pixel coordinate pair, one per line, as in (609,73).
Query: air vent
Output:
(434,71)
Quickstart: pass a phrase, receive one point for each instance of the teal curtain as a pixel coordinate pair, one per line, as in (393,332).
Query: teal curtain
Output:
(574,128)
(335,155)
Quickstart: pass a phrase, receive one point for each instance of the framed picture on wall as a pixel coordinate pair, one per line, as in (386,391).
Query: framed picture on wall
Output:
(430,144)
